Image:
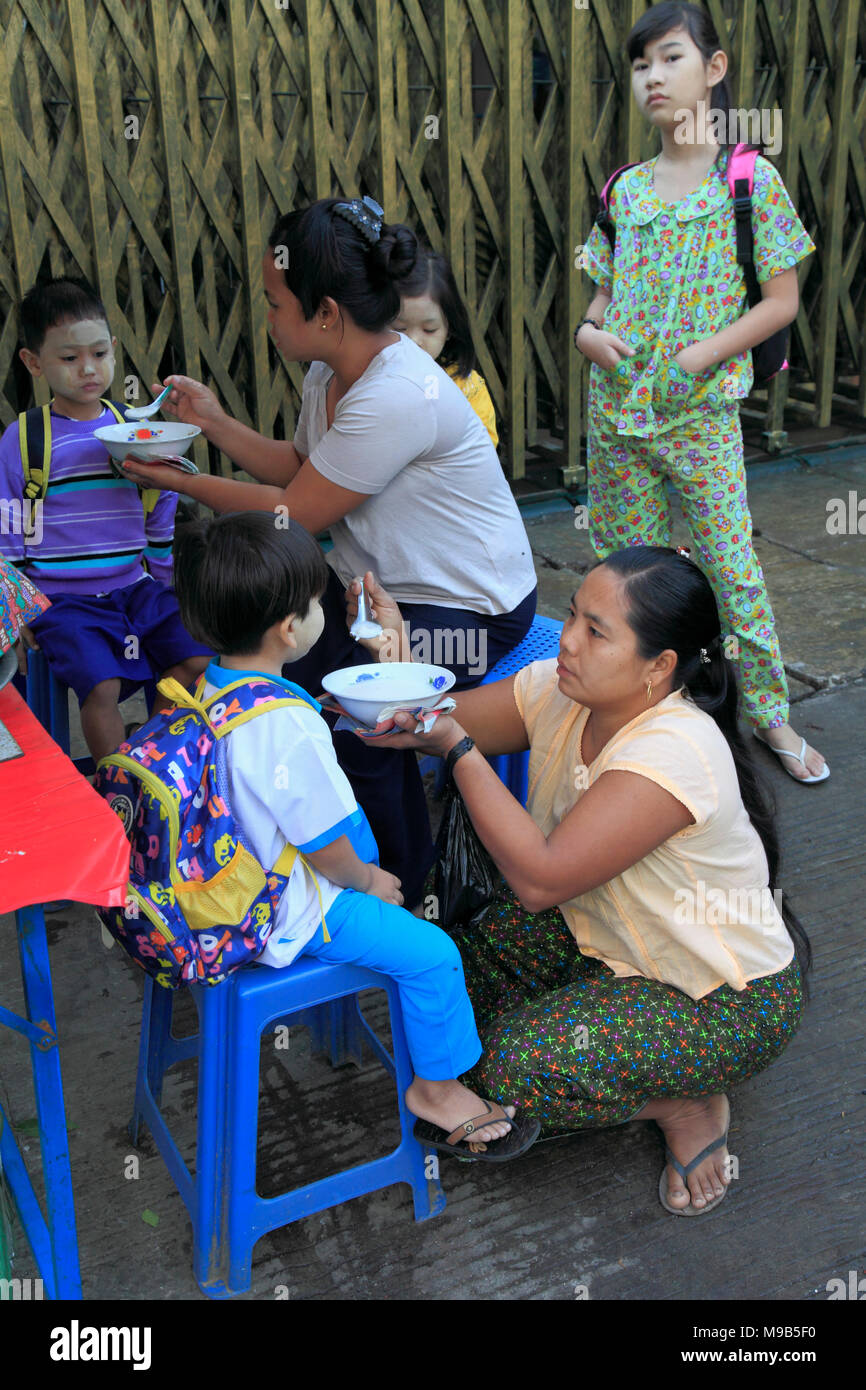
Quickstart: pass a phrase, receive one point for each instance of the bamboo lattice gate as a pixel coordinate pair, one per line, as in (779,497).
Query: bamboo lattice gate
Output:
(150,146)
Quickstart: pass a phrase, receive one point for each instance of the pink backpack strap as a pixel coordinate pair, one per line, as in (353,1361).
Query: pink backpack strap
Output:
(612,180)
(741,181)
(604,220)
(741,165)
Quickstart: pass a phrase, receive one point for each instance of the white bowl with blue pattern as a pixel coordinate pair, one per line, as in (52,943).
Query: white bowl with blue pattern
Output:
(363,691)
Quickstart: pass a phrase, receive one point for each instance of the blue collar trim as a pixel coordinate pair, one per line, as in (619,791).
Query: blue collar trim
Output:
(224,675)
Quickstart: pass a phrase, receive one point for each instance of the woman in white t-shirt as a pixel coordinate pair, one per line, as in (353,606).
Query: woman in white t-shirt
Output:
(388,454)
(638,964)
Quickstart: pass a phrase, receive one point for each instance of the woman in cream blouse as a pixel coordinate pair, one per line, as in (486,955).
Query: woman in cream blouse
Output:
(636,963)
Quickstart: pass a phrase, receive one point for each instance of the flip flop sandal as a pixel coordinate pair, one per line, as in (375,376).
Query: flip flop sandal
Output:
(799,757)
(684,1172)
(520,1137)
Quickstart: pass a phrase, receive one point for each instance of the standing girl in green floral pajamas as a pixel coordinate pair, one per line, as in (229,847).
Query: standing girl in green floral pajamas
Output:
(673,360)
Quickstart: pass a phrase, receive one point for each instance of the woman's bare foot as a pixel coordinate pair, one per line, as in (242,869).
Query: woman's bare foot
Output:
(786,738)
(689,1125)
(449,1104)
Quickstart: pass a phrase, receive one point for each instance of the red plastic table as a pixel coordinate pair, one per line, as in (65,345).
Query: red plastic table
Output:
(58,839)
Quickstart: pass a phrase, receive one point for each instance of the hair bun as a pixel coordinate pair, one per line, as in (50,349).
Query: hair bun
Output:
(394,255)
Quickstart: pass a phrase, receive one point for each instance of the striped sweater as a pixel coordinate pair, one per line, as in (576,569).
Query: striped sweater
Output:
(90,535)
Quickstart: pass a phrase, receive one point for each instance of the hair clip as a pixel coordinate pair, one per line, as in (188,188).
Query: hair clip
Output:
(705,660)
(684,551)
(365,214)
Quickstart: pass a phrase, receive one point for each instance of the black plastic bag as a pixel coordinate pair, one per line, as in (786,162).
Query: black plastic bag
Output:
(466,876)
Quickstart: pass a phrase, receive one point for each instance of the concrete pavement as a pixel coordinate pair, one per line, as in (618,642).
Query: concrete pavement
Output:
(576,1214)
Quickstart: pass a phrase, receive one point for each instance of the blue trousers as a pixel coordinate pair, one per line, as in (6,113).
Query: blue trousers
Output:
(440,1024)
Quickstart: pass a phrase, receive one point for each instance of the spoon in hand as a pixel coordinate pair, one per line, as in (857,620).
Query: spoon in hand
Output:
(144,412)
(363,627)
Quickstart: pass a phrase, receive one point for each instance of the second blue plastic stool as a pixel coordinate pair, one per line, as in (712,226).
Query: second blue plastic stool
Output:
(540,643)
(228,1216)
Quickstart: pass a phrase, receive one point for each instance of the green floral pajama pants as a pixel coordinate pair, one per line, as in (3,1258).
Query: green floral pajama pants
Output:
(583,1049)
(628,505)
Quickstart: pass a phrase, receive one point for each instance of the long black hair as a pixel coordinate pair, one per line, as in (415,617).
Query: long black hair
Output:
(669,605)
(659,20)
(329,256)
(433,275)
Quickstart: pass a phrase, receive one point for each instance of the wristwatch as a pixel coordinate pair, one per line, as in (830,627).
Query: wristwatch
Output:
(595,323)
(464,746)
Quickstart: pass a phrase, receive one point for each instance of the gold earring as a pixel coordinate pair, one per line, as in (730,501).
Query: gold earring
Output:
(649,691)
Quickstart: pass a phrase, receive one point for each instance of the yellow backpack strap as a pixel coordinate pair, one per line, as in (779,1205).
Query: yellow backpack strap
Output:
(245,680)
(263,708)
(35,472)
(225,691)
(289,853)
(149,495)
(174,691)
(284,865)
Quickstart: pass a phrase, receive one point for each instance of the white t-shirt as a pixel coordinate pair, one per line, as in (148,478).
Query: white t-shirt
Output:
(440,525)
(285,786)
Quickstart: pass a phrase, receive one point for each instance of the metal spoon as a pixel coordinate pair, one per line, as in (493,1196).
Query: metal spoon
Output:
(144,412)
(364,627)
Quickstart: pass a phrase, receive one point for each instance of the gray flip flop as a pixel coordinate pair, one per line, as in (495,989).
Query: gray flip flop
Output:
(684,1172)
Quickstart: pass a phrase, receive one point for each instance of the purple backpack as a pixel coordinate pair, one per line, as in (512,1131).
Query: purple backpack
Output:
(770,356)
(199,904)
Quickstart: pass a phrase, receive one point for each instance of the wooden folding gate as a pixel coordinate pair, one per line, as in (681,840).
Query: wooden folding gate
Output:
(149,146)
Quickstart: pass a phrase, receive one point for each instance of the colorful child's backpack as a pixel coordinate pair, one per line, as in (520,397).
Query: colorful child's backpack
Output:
(770,356)
(34,439)
(199,904)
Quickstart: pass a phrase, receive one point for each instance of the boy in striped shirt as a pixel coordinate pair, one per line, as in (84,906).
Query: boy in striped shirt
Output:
(106,565)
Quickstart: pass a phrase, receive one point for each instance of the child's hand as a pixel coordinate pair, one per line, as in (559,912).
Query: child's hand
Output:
(604,349)
(191,401)
(693,359)
(385,886)
(28,641)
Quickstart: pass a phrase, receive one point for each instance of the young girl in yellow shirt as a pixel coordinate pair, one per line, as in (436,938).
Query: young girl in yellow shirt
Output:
(434,316)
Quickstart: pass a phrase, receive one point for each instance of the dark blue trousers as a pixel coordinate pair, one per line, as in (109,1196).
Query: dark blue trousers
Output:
(386,782)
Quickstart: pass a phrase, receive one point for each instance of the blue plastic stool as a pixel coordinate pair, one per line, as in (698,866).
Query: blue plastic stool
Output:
(540,643)
(228,1216)
(48,698)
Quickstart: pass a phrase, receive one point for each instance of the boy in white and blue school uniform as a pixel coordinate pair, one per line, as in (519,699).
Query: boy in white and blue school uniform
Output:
(250,590)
